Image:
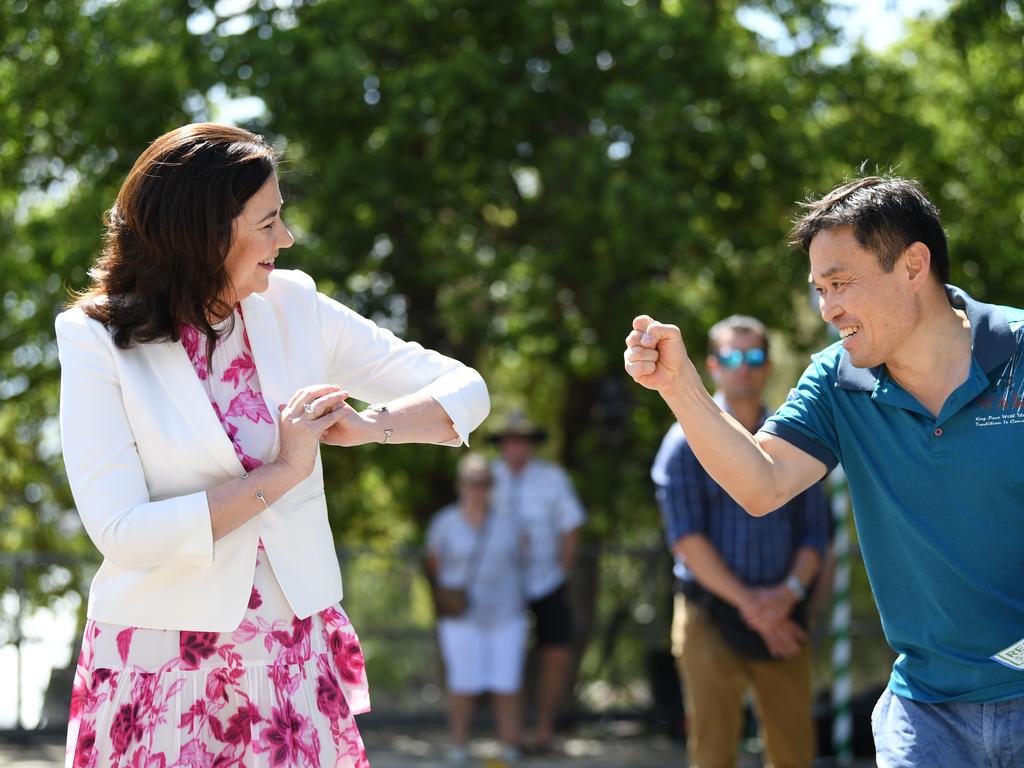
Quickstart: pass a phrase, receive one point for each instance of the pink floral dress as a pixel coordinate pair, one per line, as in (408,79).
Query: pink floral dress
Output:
(277,691)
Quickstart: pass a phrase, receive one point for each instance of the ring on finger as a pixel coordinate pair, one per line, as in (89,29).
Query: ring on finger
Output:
(308,407)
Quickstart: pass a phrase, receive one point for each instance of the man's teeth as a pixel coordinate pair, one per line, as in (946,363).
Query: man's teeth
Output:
(846,333)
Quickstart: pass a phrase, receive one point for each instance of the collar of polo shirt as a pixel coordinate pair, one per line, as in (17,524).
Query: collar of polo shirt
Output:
(992,342)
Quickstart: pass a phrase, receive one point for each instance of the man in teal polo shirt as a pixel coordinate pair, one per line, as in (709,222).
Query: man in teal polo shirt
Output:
(922,401)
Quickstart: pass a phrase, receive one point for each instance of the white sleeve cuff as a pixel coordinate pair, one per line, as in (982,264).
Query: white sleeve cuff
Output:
(195,529)
(463,395)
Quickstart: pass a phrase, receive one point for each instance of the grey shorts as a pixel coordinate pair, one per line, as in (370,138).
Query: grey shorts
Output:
(909,734)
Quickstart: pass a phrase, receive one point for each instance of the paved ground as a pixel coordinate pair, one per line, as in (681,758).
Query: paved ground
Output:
(602,746)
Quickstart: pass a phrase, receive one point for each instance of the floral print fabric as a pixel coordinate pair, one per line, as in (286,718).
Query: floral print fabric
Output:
(233,386)
(276,692)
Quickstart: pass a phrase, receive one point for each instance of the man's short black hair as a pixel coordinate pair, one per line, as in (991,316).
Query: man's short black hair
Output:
(887,214)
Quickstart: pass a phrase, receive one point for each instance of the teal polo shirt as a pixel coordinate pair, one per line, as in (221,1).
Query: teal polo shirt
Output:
(938,503)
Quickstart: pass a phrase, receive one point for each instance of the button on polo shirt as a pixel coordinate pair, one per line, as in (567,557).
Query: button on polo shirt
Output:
(938,502)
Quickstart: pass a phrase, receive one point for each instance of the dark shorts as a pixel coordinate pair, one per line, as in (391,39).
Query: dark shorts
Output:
(551,618)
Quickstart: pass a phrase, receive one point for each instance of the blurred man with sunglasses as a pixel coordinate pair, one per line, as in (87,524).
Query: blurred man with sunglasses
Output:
(741,582)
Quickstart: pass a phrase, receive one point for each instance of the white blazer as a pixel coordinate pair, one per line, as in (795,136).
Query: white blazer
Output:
(142,444)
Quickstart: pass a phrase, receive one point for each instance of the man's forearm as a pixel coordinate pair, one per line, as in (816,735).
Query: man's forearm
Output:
(710,570)
(761,474)
(569,547)
(805,565)
(728,452)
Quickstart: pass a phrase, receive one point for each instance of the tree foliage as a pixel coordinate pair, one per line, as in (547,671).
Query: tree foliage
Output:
(508,182)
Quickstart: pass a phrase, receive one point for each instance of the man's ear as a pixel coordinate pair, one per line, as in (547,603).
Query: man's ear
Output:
(916,261)
(713,366)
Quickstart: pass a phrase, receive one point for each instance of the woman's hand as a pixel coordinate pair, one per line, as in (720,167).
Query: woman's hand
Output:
(304,420)
(353,428)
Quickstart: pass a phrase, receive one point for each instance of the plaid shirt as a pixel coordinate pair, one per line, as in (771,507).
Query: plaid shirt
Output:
(758,550)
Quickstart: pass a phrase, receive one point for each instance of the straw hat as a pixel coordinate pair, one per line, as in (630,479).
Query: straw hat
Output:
(515,424)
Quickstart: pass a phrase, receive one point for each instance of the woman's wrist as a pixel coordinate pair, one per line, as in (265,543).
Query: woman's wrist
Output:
(378,423)
(237,501)
(283,474)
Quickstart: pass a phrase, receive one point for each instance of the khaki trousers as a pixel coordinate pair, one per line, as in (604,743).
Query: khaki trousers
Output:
(715,680)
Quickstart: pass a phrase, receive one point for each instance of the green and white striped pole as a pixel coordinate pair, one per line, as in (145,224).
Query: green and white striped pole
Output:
(842,681)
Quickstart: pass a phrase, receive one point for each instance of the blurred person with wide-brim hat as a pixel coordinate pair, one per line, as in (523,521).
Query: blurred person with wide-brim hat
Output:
(541,495)
(515,424)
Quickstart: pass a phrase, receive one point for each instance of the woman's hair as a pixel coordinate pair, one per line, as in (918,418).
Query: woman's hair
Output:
(169,233)
(473,466)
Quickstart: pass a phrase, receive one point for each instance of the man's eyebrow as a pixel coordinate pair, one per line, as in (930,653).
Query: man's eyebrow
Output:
(835,269)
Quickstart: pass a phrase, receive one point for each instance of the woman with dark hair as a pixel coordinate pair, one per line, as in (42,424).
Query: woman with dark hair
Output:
(197,385)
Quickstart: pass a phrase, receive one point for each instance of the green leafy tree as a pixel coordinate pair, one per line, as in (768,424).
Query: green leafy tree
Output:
(507,182)
(512,182)
(83,88)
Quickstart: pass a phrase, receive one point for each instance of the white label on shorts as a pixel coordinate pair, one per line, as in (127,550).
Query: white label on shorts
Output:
(1012,657)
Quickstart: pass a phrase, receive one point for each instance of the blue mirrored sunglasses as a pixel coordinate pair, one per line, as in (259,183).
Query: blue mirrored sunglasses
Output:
(732,359)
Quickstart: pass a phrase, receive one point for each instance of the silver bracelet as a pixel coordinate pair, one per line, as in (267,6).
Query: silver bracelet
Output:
(388,432)
(259,492)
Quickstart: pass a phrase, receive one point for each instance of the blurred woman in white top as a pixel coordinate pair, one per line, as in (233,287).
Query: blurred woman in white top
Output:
(473,546)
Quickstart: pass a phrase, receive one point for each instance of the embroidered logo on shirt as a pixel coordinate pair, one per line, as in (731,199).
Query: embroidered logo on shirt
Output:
(999,419)
(1008,409)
